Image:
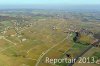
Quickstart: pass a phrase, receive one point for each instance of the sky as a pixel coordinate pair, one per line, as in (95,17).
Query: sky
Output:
(49,2)
(18,3)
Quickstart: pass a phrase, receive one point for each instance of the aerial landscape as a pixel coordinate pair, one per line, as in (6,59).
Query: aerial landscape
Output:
(45,36)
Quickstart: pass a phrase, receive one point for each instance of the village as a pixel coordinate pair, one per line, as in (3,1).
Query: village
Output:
(28,40)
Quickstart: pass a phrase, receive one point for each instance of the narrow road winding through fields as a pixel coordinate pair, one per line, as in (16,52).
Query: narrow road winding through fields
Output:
(44,53)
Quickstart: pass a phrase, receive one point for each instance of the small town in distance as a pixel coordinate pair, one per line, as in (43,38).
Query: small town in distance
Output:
(49,33)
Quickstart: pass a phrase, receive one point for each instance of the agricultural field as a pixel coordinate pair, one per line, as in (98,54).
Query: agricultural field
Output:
(28,37)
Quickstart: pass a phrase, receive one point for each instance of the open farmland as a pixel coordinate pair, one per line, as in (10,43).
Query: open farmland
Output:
(28,37)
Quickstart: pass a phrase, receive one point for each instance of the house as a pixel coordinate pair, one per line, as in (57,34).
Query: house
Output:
(24,39)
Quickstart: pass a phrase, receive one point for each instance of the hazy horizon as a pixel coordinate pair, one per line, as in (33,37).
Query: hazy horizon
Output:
(62,7)
(50,4)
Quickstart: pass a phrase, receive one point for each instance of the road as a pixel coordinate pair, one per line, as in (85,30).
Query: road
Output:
(81,54)
(44,53)
(10,41)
